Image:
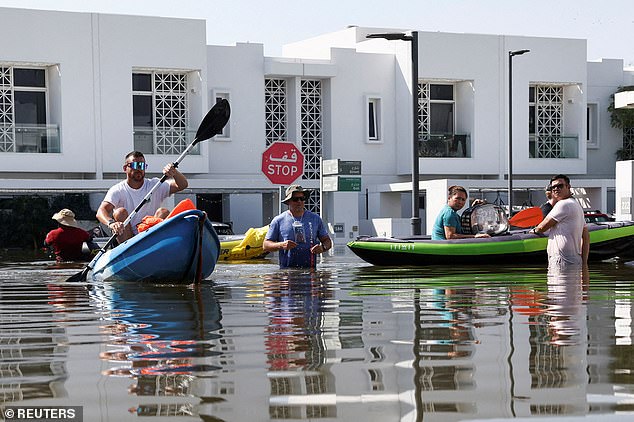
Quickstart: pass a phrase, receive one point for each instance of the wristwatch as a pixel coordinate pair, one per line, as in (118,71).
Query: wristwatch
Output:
(112,220)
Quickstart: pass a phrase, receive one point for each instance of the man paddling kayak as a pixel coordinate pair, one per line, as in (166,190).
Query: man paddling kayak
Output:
(129,193)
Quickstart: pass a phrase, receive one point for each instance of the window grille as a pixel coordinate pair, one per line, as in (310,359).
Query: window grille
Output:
(166,132)
(548,119)
(275,100)
(311,127)
(628,141)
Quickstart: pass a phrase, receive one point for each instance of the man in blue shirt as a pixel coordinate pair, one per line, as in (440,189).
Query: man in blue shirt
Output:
(447,225)
(297,234)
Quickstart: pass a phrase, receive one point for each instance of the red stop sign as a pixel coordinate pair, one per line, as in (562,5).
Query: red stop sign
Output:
(282,163)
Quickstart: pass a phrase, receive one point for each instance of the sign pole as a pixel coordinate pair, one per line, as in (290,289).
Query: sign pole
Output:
(280,194)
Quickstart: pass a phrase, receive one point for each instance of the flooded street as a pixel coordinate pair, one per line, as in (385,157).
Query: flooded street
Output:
(347,342)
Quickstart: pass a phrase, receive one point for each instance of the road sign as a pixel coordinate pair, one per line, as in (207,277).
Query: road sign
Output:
(282,163)
(330,167)
(341,184)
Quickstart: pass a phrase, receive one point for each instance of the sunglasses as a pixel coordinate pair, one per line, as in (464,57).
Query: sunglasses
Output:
(137,165)
(298,198)
(558,186)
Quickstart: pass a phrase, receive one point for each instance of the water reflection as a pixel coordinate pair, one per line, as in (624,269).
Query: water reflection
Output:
(506,349)
(165,339)
(346,342)
(33,339)
(300,334)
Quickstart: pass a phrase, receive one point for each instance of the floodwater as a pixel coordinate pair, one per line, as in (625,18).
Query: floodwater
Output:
(349,342)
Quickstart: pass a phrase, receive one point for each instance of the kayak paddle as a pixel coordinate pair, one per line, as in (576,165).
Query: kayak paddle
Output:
(212,124)
(528,217)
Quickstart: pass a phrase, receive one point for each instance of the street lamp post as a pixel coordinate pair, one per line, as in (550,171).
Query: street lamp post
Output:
(510,148)
(413,39)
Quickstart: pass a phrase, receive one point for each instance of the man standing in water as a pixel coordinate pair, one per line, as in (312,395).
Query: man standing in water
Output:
(297,234)
(568,238)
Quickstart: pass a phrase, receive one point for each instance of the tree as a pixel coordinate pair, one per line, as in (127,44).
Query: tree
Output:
(622,118)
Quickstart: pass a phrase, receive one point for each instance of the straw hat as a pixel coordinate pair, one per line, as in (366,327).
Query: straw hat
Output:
(66,217)
(292,189)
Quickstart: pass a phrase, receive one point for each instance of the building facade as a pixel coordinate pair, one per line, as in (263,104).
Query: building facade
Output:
(85,89)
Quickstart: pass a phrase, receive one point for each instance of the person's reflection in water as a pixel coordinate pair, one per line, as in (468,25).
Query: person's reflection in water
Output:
(566,309)
(563,360)
(297,339)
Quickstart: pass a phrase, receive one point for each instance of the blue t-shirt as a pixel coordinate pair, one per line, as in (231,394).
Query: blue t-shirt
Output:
(447,217)
(310,226)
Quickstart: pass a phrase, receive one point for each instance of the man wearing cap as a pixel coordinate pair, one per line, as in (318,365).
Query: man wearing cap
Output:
(297,233)
(68,238)
(126,195)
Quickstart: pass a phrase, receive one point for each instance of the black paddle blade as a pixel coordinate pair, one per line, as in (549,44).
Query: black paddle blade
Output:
(80,276)
(214,121)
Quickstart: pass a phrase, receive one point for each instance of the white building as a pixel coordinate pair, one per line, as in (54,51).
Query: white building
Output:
(84,89)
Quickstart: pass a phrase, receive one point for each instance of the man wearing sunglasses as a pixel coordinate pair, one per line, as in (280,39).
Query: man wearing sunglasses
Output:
(126,195)
(297,234)
(568,238)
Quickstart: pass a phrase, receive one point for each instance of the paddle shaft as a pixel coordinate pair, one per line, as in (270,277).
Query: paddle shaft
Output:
(212,124)
(145,200)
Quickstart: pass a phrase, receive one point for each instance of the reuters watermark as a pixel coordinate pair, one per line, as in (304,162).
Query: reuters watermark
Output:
(43,413)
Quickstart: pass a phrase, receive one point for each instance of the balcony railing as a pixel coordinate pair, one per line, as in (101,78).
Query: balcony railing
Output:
(164,142)
(562,146)
(39,139)
(444,145)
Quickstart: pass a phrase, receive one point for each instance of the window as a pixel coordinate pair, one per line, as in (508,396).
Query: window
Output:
(24,112)
(226,131)
(374,119)
(436,114)
(275,115)
(592,128)
(311,126)
(436,122)
(545,124)
(159,109)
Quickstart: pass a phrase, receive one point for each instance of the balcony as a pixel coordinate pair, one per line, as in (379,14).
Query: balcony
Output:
(553,146)
(444,145)
(164,142)
(38,139)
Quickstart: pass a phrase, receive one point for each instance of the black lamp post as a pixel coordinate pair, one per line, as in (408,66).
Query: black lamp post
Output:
(413,38)
(510,159)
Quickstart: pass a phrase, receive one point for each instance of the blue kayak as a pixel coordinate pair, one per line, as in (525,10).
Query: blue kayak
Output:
(182,249)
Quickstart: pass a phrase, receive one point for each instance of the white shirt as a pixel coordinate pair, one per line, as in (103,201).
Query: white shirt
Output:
(122,195)
(564,238)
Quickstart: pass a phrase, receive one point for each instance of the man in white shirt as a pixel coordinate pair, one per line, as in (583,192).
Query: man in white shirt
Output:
(126,195)
(568,238)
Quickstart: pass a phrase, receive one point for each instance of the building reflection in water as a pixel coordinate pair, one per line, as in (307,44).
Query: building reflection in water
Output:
(34,343)
(167,340)
(528,345)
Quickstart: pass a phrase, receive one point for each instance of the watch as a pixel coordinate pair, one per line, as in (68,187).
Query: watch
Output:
(112,220)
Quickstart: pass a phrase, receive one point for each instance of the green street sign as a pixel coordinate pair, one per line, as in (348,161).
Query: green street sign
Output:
(341,184)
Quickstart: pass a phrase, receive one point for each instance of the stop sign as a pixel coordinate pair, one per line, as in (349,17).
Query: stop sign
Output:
(282,163)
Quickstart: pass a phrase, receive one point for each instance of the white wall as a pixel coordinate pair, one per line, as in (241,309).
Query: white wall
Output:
(604,78)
